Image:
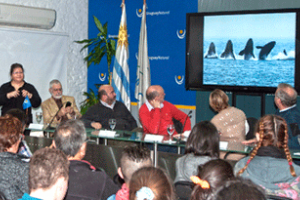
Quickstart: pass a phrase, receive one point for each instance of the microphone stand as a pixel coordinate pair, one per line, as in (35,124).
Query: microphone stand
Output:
(188,115)
(49,125)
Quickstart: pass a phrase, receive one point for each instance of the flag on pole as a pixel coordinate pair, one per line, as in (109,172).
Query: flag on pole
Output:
(26,103)
(143,79)
(120,78)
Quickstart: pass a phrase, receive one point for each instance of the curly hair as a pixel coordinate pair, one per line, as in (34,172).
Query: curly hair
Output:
(10,132)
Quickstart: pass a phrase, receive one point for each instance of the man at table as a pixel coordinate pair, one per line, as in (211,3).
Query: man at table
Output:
(286,102)
(156,113)
(98,115)
(59,107)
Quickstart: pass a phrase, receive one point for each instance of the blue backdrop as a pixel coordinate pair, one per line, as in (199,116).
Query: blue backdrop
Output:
(166,23)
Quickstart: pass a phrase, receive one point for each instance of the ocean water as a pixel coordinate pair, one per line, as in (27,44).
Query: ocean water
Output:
(277,67)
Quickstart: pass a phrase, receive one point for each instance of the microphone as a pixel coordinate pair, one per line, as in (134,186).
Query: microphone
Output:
(68,104)
(187,116)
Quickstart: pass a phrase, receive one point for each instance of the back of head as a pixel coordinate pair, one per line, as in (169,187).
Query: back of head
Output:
(18,113)
(10,132)
(151,182)
(203,140)
(69,136)
(242,189)
(133,158)
(215,173)
(287,94)
(218,100)
(272,131)
(46,167)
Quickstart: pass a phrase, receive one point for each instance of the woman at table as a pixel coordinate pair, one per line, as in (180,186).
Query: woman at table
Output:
(13,168)
(230,121)
(13,93)
(270,164)
(202,146)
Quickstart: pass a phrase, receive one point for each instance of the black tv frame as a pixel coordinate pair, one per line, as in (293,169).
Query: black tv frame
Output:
(194,48)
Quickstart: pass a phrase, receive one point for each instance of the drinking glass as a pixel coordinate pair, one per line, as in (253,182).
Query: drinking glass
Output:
(112,123)
(39,116)
(170,130)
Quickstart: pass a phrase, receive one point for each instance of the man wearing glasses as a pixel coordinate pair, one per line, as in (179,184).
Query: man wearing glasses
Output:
(59,107)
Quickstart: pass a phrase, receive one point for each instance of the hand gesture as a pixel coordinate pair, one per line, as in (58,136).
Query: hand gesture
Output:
(69,110)
(155,103)
(96,125)
(26,93)
(12,94)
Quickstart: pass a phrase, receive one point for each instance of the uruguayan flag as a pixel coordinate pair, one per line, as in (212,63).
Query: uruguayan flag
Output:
(120,78)
(143,78)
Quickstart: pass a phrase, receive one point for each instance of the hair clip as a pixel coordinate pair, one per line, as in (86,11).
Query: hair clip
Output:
(203,183)
(144,193)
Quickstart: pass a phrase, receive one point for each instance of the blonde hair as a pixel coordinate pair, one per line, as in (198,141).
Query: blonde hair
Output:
(273,131)
(218,100)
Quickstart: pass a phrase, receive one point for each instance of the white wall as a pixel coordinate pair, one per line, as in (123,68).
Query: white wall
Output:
(72,20)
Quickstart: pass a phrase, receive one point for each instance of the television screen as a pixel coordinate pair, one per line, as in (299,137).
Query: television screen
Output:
(246,51)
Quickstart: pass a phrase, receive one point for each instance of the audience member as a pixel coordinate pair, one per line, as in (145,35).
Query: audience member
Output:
(285,100)
(13,93)
(23,147)
(211,176)
(156,113)
(98,115)
(85,181)
(151,183)
(13,169)
(58,107)
(133,158)
(202,145)
(242,189)
(230,121)
(270,163)
(48,175)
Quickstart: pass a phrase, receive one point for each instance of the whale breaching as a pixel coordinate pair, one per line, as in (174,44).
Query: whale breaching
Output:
(228,52)
(248,50)
(265,50)
(211,53)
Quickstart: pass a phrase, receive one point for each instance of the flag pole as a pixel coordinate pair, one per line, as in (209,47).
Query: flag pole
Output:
(144,1)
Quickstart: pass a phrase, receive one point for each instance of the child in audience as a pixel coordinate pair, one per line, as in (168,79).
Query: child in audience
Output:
(211,176)
(202,146)
(151,183)
(133,158)
(242,189)
(270,164)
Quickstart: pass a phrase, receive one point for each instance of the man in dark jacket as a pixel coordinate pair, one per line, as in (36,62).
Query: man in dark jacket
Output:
(85,181)
(108,108)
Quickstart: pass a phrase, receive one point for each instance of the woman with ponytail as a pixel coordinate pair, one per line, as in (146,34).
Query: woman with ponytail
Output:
(270,163)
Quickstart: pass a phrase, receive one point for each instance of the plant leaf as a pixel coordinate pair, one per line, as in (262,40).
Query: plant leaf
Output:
(98,24)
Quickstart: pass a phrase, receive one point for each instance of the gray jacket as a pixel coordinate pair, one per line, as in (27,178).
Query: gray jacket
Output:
(13,175)
(187,166)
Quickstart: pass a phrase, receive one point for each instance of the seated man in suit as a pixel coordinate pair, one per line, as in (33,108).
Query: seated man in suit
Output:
(85,181)
(156,113)
(98,115)
(58,107)
(286,102)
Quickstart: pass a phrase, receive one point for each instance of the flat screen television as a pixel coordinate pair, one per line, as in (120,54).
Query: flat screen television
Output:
(249,51)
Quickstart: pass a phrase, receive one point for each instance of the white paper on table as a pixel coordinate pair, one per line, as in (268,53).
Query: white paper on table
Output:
(107,133)
(36,126)
(223,145)
(153,138)
(186,133)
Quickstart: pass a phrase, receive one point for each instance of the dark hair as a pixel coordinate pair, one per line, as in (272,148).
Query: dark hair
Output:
(14,66)
(155,179)
(10,131)
(151,95)
(101,93)
(133,158)
(203,140)
(216,173)
(273,131)
(18,113)
(47,165)
(69,136)
(242,189)
(286,98)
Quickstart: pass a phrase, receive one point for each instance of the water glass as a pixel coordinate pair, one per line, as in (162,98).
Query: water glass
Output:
(39,116)
(170,130)
(112,123)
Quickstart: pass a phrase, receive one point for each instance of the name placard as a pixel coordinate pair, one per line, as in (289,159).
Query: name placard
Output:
(153,138)
(107,133)
(36,126)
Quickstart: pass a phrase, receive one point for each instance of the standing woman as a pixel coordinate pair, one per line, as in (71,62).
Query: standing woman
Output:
(13,93)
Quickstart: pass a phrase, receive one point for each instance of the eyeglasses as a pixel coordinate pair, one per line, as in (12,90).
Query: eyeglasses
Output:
(58,89)
(17,73)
